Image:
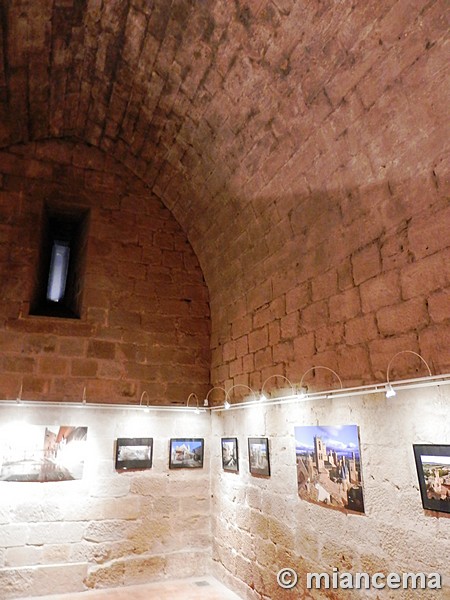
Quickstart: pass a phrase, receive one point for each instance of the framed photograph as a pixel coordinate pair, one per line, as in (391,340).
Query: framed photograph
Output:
(329,466)
(134,453)
(258,456)
(186,453)
(433,471)
(230,458)
(42,453)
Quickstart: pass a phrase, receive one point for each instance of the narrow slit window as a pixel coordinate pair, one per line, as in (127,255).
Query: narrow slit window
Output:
(59,277)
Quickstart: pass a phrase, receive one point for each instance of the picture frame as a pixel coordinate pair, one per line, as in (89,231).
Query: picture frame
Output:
(42,453)
(134,454)
(329,466)
(433,472)
(230,455)
(186,453)
(259,456)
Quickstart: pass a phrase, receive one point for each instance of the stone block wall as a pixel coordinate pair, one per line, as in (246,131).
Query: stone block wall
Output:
(145,310)
(260,525)
(348,294)
(108,529)
(302,146)
(304,153)
(332,165)
(112,529)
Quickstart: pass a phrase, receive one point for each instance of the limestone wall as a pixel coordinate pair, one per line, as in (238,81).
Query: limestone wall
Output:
(108,529)
(261,525)
(113,529)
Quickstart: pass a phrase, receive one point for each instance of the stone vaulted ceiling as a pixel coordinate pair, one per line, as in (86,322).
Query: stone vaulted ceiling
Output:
(251,120)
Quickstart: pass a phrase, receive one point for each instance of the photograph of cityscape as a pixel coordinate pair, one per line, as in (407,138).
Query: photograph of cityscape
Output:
(230,461)
(433,470)
(134,453)
(258,456)
(186,453)
(39,453)
(329,466)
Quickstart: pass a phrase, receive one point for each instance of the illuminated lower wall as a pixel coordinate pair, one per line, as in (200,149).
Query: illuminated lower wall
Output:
(111,529)
(107,529)
(260,525)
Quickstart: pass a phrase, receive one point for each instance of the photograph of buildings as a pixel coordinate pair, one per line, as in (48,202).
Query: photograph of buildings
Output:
(329,466)
(186,453)
(38,453)
(258,456)
(230,454)
(134,453)
(437,475)
(433,469)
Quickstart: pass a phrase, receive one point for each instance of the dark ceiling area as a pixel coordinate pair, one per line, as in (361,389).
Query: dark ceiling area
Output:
(212,102)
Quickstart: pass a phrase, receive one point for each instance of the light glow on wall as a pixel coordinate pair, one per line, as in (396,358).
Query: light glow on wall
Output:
(38,453)
(72,454)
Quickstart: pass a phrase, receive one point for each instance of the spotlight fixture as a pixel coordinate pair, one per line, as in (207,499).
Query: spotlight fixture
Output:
(390,392)
(83,399)
(146,406)
(216,387)
(19,395)
(195,397)
(227,403)
(303,393)
(263,397)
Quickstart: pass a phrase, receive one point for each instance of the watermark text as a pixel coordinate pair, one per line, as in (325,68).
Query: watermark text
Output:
(287,578)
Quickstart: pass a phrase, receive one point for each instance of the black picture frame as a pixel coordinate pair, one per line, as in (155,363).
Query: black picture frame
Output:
(134,454)
(186,453)
(259,456)
(230,455)
(433,471)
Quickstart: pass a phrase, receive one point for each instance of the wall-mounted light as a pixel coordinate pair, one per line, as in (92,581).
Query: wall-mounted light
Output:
(390,392)
(263,397)
(303,394)
(83,402)
(194,397)
(227,403)
(146,406)
(19,395)
(216,387)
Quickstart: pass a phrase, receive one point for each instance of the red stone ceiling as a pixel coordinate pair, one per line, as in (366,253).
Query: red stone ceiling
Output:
(233,112)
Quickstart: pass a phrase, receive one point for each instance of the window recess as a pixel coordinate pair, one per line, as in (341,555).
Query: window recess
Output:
(59,277)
